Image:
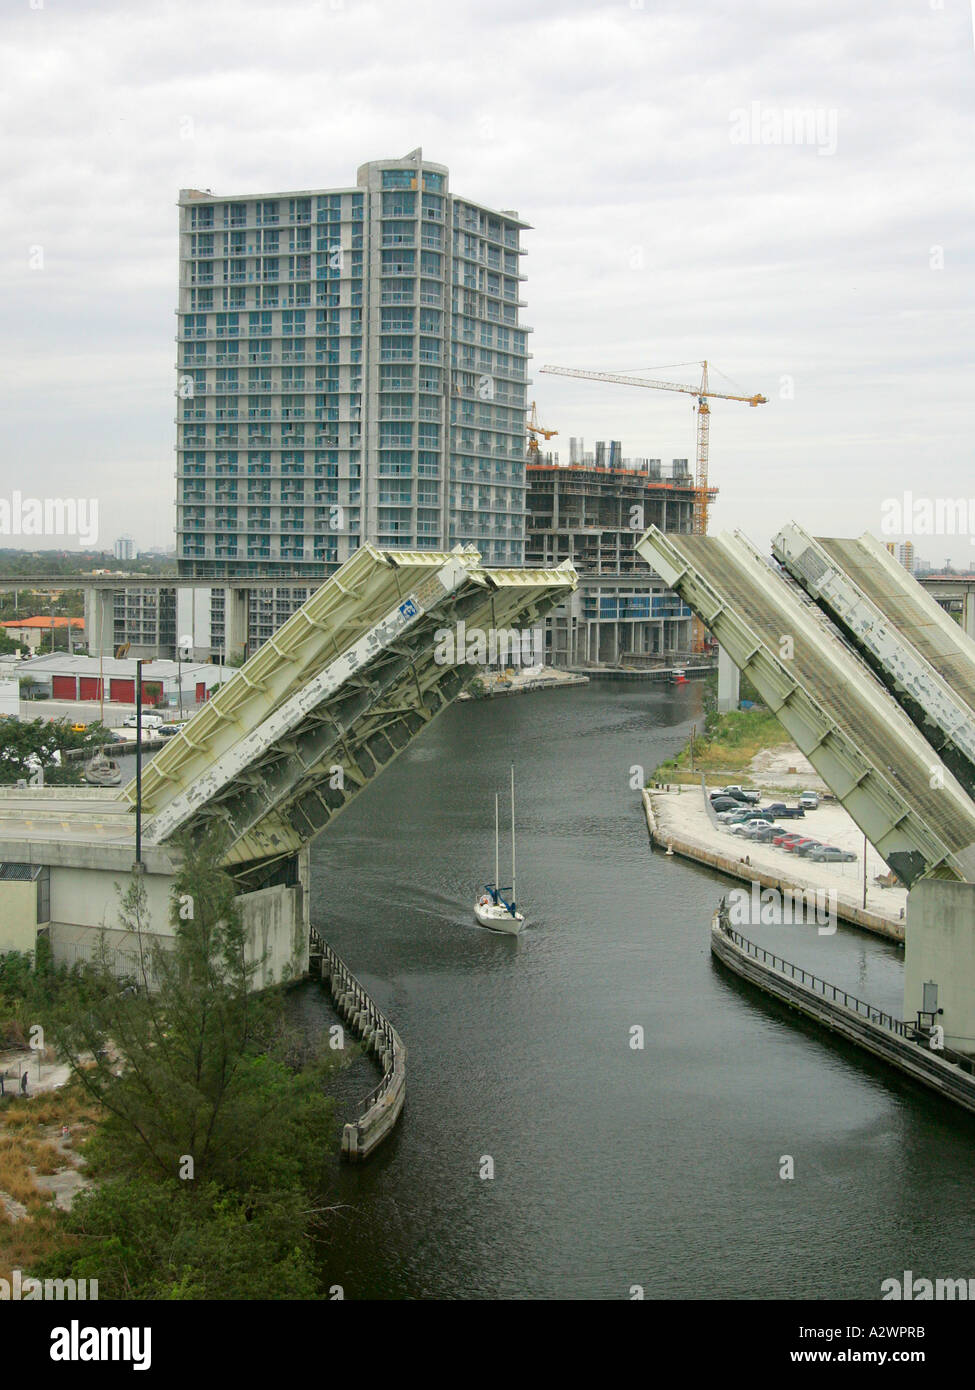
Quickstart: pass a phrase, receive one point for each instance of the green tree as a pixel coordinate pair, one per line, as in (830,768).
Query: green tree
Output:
(201,1071)
(29,744)
(211,1164)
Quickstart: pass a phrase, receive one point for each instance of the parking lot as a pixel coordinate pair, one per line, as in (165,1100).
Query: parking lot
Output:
(87,711)
(684,814)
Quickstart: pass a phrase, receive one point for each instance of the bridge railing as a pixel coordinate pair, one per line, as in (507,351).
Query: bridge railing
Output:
(370,1021)
(820,986)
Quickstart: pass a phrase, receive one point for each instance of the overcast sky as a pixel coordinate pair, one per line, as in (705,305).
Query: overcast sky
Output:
(832,273)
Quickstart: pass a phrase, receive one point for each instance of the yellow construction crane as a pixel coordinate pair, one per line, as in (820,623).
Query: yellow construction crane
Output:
(703,394)
(534,430)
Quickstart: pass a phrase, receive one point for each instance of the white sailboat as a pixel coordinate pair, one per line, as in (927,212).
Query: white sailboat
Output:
(492,909)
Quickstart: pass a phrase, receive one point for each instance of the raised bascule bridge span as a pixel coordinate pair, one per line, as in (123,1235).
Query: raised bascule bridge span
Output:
(919,653)
(876,686)
(312,717)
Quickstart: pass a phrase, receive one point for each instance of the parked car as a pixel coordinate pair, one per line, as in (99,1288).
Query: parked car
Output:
(170,729)
(149,721)
(762,834)
(756,828)
(783,812)
(741,794)
(786,837)
(809,801)
(724,803)
(829,854)
(804,848)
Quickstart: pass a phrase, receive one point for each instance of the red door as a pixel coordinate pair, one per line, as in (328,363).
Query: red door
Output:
(122,690)
(201,692)
(64,687)
(89,688)
(150,694)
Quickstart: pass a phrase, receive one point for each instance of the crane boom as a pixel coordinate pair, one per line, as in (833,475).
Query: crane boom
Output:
(703,394)
(653,385)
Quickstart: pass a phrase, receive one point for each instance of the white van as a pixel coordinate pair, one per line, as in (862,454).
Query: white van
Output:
(149,721)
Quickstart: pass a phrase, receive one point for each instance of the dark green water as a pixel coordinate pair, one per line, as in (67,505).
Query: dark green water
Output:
(613,1167)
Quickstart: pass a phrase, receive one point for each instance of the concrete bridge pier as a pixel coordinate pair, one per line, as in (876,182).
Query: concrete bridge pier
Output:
(939,975)
(729,682)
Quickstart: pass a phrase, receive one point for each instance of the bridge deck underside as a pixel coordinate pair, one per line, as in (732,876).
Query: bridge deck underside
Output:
(908,614)
(338,692)
(766,604)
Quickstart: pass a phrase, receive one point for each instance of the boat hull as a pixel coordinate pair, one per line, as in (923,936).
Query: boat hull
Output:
(104,774)
(499,919)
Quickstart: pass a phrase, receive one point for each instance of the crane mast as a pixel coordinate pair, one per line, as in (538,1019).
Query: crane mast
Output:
(703,394)
(534,430)
(699,516)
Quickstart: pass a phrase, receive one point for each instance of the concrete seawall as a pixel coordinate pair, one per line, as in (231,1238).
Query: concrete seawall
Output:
(380,1110)
(647,673)
(521,684)
(753,873)
(871,1029)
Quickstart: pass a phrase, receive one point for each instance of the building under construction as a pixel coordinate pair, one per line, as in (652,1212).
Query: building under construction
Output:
(592,511)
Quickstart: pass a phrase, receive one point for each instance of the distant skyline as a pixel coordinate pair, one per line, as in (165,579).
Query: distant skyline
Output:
(785,191)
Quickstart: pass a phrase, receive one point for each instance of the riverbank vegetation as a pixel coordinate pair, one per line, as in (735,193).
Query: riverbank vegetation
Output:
(29,746)
(210,1128)
(724,743)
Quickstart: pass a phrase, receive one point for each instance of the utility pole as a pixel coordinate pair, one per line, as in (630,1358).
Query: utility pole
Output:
(138,765)
(864,872)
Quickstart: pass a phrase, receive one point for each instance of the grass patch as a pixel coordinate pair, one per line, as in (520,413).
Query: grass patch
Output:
(15,1177)
(29,1129)
(737,737)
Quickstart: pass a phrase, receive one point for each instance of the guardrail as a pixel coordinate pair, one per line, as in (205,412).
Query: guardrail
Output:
(829,991)
(905,1045)
(377,1112)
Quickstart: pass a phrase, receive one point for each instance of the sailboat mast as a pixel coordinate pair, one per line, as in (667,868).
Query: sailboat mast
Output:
(497,869)
(514,895)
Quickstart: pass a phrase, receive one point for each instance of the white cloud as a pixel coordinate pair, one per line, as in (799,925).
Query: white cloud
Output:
(608,126)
